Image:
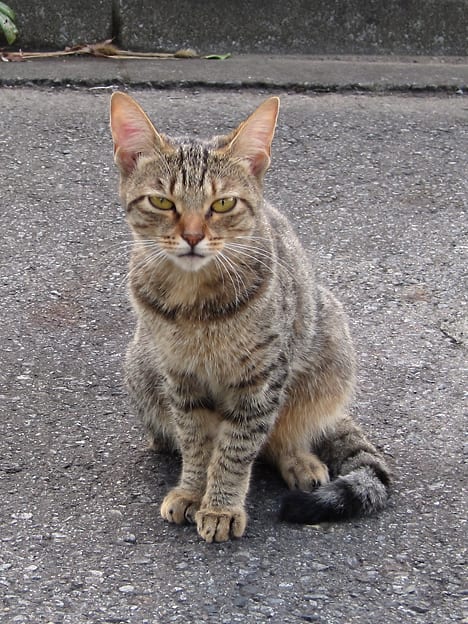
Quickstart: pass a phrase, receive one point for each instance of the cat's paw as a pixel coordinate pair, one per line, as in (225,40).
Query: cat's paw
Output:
(180,506)
(303,471)
(219,525)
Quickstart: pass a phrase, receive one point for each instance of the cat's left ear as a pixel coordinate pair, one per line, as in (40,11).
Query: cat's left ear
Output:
(251,141)
(132,131)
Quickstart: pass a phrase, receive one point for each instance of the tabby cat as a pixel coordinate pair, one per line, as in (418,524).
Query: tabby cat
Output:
(238,352)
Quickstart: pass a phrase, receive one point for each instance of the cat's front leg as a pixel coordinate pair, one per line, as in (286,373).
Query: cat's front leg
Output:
(240,438)
(195,436)
(180,505)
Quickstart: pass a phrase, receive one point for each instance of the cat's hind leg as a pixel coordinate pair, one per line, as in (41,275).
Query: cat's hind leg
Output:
(302,470)
(316,399)
(360,484)
(146,389)
(289,445)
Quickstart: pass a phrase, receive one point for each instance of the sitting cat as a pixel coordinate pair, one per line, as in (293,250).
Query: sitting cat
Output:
(238,352)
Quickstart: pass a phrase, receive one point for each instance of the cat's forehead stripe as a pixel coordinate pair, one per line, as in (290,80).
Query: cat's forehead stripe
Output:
(192,162)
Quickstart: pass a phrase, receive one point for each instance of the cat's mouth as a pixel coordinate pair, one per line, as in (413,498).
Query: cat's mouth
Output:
(191,260)
(191,254)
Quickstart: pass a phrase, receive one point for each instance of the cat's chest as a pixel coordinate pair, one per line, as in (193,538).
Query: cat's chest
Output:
(213,350)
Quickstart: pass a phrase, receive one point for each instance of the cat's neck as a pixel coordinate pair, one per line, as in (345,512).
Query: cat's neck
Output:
(209,293)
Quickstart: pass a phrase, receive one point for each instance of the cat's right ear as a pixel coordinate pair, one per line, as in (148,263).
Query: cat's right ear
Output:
(132,132)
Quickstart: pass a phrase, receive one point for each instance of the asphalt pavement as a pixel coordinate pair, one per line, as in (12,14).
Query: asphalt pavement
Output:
(376,185)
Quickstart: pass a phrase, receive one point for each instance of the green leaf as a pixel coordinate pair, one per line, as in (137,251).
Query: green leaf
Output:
(218,57)
(5,9)
(9,29)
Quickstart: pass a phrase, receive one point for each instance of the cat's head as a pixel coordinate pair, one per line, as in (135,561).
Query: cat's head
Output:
(191,199)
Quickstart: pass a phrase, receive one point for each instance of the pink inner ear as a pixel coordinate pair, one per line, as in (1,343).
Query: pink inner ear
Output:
(132,131)
(253,146)
(259,162)
(127,137)
(130,139)
(128,144)
(125,160)
(133,135)
(252,142)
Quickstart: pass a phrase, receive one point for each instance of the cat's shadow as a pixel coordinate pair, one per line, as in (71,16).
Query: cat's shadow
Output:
(160,471)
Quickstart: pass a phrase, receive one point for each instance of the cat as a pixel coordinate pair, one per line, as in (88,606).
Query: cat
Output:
(238,352)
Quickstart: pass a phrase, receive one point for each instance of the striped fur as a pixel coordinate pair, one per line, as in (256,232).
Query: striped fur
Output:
(238,352)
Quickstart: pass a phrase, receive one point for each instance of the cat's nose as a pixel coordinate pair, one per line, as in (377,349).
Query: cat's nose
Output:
(193,238)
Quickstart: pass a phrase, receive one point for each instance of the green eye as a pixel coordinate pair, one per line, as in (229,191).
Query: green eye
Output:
(161,202)
(224,205)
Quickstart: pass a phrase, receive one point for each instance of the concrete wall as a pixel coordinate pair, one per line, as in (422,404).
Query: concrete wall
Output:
(414,27)
(54,24)
(298,26)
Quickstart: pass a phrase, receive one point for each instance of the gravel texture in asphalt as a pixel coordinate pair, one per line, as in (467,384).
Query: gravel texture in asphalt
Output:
(377,188)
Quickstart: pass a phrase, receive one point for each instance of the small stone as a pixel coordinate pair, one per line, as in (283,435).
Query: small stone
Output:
(240,602)
(130,539)
(249,590)
(95,576)
(115,513)
(126,589)
(318,567)
(22,516)
(419,608)
(14,468)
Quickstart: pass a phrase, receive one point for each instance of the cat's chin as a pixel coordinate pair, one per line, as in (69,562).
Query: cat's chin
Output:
(191,263)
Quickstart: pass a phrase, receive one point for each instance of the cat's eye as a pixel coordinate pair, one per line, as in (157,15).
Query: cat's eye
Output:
(161,202)
(224,205)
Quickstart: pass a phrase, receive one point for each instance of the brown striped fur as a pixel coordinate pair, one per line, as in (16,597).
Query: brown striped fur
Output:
(238,351)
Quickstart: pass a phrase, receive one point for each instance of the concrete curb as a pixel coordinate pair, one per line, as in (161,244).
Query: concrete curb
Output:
(301,73)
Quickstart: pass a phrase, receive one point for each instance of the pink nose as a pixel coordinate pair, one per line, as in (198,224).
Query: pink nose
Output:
(192,238)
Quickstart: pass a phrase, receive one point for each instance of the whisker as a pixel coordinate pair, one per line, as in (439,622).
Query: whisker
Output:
(265,254)
(219,267)
(236,273)
(240,249)
(263,250)
(124,248)
(133,241)
(222,260)
(155,258)
(250,237)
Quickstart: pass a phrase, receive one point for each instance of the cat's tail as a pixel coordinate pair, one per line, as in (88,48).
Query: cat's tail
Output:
(360,480)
